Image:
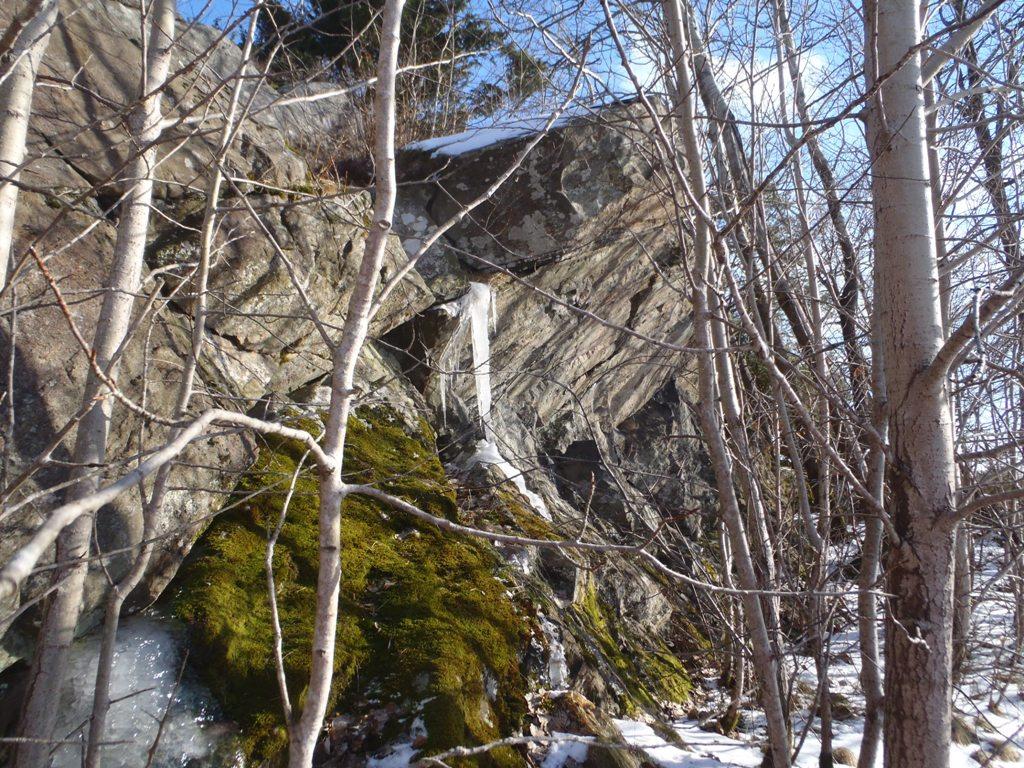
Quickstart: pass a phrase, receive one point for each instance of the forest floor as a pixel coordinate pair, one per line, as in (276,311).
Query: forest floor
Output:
(988,705)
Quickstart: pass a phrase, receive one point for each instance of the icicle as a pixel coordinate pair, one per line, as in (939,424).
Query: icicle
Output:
(494,312)
(479,308)
(558,670)
(480,301)
(443,391)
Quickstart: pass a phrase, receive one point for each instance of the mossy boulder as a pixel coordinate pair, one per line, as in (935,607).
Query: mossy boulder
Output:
(425,622)
(648,674)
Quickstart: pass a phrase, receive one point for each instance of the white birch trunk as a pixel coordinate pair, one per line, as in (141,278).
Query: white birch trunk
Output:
(64,608)
(919,567)
(304,732)
(122,590)
(15,107)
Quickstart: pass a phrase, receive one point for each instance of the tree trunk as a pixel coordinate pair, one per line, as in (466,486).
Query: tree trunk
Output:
(15,107)
(962,602)
(870,561)
(304,732)
(122,590)
(64,608)
(918,681)
(766,661)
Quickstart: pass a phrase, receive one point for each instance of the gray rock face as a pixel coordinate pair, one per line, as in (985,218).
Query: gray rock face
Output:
(318,113)
(587,281)
(260,339)
(264,338)
(96,51)
(585,178)
(587,349)
(576,248)
(50,371)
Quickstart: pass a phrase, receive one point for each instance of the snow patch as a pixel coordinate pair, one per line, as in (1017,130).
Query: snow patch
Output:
(521,558)
(563,751)
(399,756)
(702,750)
(485,136)
(979,697)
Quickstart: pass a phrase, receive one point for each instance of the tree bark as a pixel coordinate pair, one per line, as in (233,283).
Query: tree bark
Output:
(962,603)
(73,546)
(304,732)
(15,106)
(123,589)
(921,471)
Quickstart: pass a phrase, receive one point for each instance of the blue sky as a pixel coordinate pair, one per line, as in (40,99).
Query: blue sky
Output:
(213,12)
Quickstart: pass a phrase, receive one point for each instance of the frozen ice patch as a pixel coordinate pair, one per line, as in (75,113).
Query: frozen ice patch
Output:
(144,689)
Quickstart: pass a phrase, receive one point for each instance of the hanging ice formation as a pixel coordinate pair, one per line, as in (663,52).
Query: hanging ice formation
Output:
(473,310)
(558,669)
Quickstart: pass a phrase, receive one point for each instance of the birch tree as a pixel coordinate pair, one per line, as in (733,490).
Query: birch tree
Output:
(30,30)
(333,489)
(919,564)
(154,505)
(63,609)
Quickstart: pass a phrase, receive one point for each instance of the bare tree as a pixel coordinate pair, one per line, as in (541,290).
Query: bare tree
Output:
(64,608)
(919,564)
(153,506)
(27,37)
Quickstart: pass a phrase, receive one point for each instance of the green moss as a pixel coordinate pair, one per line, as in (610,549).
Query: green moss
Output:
(422,621)
(501,508)
(689,640)
(648,673)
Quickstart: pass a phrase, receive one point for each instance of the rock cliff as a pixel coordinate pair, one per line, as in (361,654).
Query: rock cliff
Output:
(444,640)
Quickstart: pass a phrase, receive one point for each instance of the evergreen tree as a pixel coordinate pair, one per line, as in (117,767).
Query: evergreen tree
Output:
(337,40)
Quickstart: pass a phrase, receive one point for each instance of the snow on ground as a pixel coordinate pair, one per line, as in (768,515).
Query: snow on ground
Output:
(399,756)
(702,750)
(989,700)
(563,751)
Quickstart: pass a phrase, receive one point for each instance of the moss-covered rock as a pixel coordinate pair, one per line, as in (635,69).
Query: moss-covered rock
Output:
(647,671)
(424,621)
